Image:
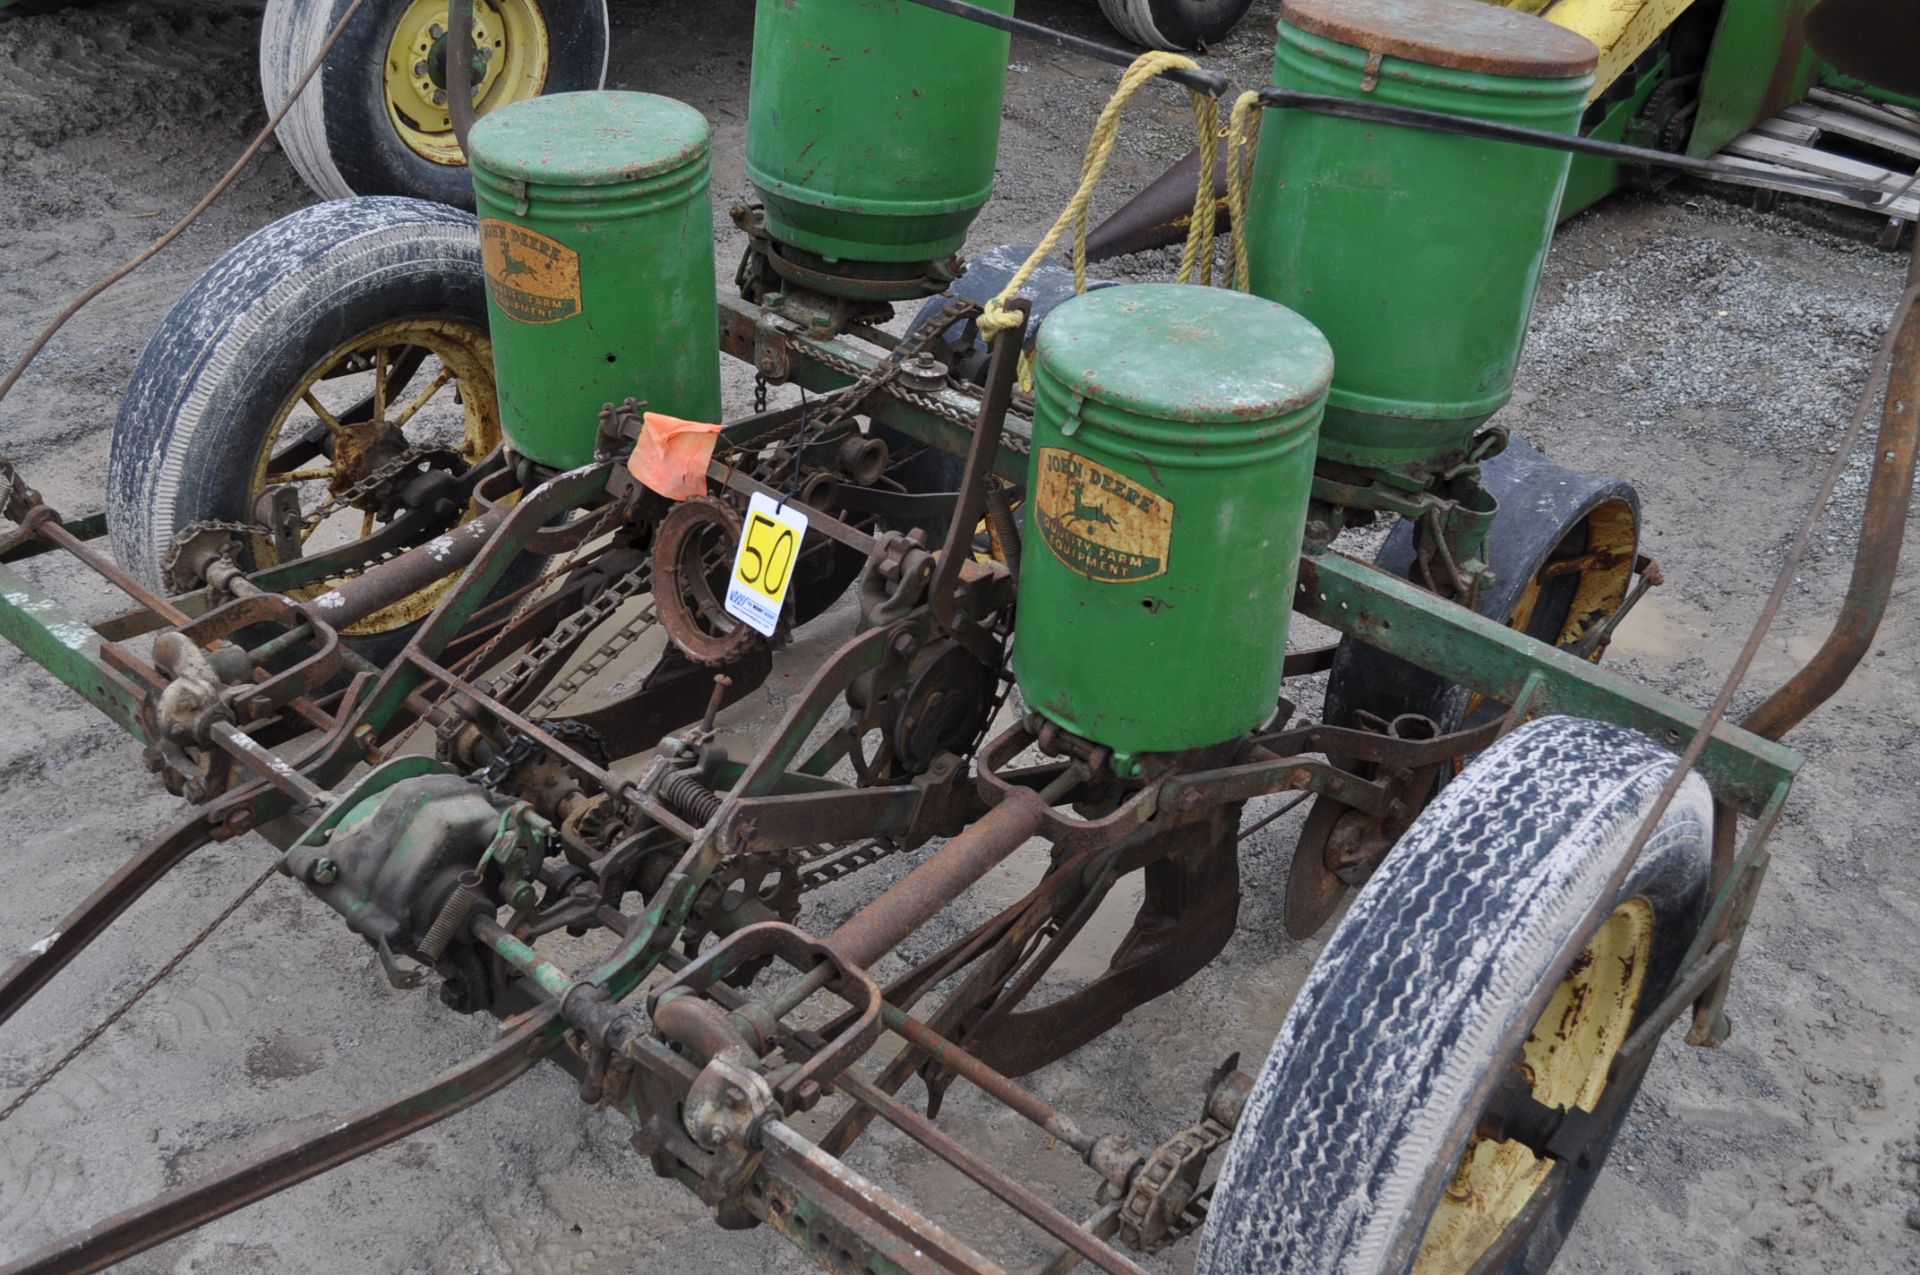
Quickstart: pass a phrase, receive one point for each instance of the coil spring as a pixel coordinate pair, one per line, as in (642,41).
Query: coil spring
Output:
(688,796)
(453,915)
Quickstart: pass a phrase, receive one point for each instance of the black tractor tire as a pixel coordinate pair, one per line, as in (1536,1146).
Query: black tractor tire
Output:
(339,135)
(1430,986)
(1175,24)
(1546,514)
(235,347)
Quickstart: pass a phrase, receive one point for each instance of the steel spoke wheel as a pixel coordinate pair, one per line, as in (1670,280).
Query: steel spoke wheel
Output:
(410,386)
(340,355)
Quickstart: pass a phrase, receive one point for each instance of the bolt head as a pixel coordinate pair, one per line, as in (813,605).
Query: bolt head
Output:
(324,872)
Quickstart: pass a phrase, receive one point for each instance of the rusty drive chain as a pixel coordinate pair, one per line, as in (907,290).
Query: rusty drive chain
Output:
(332,504)
(1164,1204)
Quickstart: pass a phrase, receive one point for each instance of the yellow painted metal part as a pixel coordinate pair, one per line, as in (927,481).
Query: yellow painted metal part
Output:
(512,52)
(1621,29)
(1613,533)
(1566,1056)
(359,374)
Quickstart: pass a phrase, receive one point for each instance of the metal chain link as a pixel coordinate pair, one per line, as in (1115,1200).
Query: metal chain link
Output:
(575,626)
(335,502)
(1166,1166)
(46,1077)
(840,864)
(596,663)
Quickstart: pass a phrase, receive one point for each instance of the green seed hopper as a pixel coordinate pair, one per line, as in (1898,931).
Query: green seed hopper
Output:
(444,618)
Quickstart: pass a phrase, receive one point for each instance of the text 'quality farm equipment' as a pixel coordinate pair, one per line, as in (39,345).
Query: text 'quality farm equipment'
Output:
(386,469)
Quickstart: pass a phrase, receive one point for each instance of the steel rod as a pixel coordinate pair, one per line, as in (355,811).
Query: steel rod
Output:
(110,898)
(1212,83)
(52,531)
(1883,528)
(1020,1198)
(1025,1103)
(175,1213)
(1467,126)
(818,1169)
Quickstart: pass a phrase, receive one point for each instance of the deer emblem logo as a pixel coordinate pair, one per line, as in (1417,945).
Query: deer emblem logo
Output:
(1091,515)
(512,265)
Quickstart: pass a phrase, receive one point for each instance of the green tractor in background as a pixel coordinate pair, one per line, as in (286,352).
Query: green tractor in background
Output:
(1683,74)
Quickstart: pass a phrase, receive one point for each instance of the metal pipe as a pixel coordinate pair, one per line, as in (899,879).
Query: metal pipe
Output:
(700,1025)
(388,582)
(1212,83)
(950,871)
(1883,527)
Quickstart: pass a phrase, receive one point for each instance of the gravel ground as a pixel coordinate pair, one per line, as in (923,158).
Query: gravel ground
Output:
(1708,353)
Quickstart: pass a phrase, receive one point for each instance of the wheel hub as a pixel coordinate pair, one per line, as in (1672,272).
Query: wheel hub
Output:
(509,64)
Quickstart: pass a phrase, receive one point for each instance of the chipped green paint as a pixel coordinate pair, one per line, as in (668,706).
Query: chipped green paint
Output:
(873,125)
(1172,458)
(1417,253)
(52,637)
(596,232)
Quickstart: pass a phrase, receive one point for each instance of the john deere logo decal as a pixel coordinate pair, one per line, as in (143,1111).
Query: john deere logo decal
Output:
(1099,522)
(532,278)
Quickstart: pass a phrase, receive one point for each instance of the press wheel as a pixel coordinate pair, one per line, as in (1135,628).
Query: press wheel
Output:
(1489,958)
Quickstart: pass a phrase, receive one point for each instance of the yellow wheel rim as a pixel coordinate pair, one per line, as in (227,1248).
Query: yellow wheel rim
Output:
(410,383)
(1605,570)
(1566,1057)
(509,64)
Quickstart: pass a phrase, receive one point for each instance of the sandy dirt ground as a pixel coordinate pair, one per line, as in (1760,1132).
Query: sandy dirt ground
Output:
(1705,352)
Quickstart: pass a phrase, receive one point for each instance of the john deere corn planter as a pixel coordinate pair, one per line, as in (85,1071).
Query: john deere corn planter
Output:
(390,488)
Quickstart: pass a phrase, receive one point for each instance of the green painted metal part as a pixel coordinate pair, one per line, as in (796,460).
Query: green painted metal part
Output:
(1417,253)
(67,647)
(1591,178)
(1166,497)
(1481,654)
(596,231)
(1762,61)
(873,126)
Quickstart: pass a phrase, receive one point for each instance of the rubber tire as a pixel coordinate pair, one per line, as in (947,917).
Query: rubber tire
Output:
(338,136)
(1175,24)
(1366,1103)
(230,351)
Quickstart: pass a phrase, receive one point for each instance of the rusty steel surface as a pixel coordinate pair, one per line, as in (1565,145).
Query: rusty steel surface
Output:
(1877,556)
(516,1052)
(1461,35)
(696,1005)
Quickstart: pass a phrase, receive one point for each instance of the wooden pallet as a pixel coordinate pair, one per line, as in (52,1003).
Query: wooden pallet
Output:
(1790,143)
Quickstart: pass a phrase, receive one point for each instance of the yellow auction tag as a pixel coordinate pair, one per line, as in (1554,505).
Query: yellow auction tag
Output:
(763,566)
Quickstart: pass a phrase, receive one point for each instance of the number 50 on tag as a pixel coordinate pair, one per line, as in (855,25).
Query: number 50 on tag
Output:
(763,568)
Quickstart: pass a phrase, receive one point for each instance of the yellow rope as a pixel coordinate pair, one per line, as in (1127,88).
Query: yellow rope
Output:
(1243,136)
(1198,254)
(995,318)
